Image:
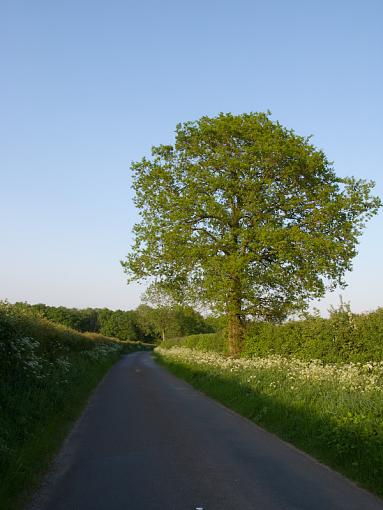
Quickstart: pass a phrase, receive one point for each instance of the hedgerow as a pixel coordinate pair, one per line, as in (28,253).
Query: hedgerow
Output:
(214,342)
(344,336)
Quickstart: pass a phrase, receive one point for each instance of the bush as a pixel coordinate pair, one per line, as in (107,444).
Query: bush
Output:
(215,342)
(344,336)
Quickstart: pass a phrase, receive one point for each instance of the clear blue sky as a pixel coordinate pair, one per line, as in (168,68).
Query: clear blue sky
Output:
(88,86)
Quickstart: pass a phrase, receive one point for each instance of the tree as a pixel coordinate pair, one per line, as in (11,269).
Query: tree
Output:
(162,315)
(169,320)
(245,216)
(120,324)
(190,321)
(146,322)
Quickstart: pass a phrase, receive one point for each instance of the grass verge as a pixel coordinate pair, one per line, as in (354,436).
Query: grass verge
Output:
(336,418)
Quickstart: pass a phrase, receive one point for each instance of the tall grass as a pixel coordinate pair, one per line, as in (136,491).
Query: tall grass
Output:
(46,373)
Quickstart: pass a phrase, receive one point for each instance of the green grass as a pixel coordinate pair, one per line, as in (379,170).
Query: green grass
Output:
(340,426)
(47,373)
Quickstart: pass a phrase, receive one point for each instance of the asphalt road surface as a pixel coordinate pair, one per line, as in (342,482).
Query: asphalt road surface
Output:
(148,441)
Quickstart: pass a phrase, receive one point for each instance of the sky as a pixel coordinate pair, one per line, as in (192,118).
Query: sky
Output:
(88,87)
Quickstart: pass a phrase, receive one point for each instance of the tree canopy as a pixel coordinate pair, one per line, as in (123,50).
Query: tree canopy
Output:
(246,216)
(145,323)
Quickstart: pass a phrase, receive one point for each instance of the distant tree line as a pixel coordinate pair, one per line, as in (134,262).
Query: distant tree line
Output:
(145,323)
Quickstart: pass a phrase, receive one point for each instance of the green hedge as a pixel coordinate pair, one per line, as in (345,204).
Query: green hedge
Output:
(342,337)
(203,342)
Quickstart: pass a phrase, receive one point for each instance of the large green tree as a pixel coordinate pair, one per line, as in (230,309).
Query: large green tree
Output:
(167,319)
(246,216)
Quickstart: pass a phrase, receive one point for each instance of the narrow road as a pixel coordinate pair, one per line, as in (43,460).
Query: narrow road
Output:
(148,441)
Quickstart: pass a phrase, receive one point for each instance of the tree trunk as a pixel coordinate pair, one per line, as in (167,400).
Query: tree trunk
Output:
(236,330)
(236,333)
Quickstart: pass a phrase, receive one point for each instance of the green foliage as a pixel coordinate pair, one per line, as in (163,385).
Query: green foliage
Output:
(120,324)
(344,336)
(46,373)
(167,319)
(246,216)
(216,323)
(81,320)
(146,323)
(214,342)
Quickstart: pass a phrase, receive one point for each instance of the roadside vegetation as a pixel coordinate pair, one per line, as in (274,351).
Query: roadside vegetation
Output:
(343,337)
(317,383)
(47,372)
(145,323)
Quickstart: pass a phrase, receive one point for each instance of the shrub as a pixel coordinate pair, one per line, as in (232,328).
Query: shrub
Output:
(344,336)
(203,342)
